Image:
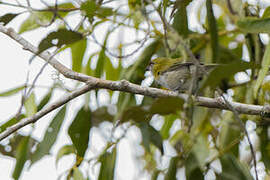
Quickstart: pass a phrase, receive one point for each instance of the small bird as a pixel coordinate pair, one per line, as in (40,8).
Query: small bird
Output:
(176,75)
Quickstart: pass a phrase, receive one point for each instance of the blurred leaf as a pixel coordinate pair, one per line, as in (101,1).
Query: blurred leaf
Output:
(168,105)
(64,6)
(10,122)
(171,174)
(12,91)
(100,115)
(111,72)
(135,113)
(254,25)
(21,157)
(201,150)
(107,165)
(64,150)
(266,13)
(7,18)
(59,38)
(168,122)
(30,105)
(180,21)
(232,169)
(263,71)
(103,12)
(89,7)
(77,174)
(77,51)
(150,135)
(265,146)
(224,71)
(43,148)
(212,28)
(79,130)
(193,171)
(44,100)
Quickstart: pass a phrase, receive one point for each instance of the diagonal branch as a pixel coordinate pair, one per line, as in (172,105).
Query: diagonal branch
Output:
(122,85)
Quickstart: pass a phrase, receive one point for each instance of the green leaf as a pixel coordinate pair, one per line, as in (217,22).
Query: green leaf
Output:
(212,27)
(168,122)
(232,169)
(44,100)
(59,38)
(168,105)
(12,91)
(79,130)
(201,150)
(266,13)
(107,165)
(180,21)
(100,115)
(21,157)
(34,21)
(77,52)
(225,71)
(171,174)
(103,12)
(136,114)
(192,168)
(89,7)
(43,148)
(263,71)
(7,18)
(111,72)
(10,122)
(254,25)
(64,150)
(265,146)
(30,105)
(77,174)
(151,135)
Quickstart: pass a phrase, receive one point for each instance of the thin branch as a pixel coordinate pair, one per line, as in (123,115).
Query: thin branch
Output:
(122,85)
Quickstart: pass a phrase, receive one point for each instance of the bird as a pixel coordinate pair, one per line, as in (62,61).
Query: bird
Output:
(176,75)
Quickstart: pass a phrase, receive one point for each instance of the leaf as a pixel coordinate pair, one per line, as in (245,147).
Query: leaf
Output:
(265,146)
(168,122)
(30,105)
(136,114)
(180,21)
(21,157)
(79,129)
(77,51)
(111,72)
(171,174)
(225,71)
(254,25)
(107,165)
(77,174)
(100,115)
(263,71)
(103,12)
(168,105)
(212,27)
(10,122)
(44,100)
(8,17)
(12,91)
(266,13)
(43,148)
(192,168)
(34,21)
(89,7)
(64,150)
(201,150)
(59,38)
(232,169)
(151,135)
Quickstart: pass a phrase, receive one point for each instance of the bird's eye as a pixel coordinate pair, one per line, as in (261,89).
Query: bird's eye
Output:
(158,73)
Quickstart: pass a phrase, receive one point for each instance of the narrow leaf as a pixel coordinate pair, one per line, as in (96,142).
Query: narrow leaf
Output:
(254,25)
(10,122)
(165,106)
(12,91)
(44,100)
(107,165)
(64,150)
(77,52)
(79,130)
(77,174)
(30,105)
(7,18)
(43,148)
(171,174)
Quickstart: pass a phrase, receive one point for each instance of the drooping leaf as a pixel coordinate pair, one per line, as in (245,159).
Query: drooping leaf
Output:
(151,135)
(43,148)
(21,157)
(212,27)
(79,130)
(8,17)
(232,169)
(59,38)
(77,52)
(263,71)
(44,100)
(166,106)
(30,105)
(64,150)
(107,165)
(171,174)
(12,91)
(10,122)
(254,25)
(112,73)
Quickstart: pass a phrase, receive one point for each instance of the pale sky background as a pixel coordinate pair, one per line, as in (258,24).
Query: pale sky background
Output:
(13,70)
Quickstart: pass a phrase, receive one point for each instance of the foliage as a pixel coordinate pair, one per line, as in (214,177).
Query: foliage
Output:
(226,32)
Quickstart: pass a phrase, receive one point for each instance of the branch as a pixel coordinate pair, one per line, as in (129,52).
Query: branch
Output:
(122,85)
